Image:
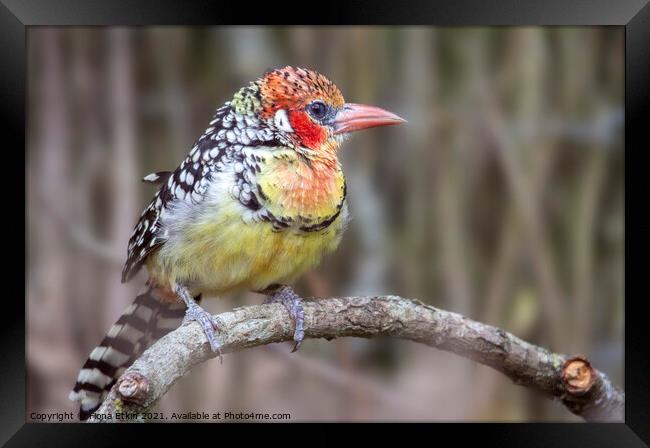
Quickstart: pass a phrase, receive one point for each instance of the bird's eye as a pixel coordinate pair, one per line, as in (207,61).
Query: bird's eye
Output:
(317,109)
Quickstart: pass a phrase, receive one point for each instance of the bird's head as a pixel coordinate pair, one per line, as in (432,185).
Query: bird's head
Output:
(307,109)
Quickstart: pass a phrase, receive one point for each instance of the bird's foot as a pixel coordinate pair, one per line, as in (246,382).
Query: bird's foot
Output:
(293,303)
(205,319)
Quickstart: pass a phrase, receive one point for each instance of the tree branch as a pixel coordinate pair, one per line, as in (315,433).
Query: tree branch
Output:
(582,389)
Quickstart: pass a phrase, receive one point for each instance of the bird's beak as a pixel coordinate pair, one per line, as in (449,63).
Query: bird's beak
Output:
(354,117)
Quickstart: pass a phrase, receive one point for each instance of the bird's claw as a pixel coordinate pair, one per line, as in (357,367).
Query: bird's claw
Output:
(293,303)
(208,324)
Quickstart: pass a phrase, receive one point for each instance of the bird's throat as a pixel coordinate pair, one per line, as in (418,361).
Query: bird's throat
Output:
(309,188)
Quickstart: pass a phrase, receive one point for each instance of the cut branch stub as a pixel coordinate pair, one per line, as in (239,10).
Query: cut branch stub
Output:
(578,376)
(133,387)
(590,393)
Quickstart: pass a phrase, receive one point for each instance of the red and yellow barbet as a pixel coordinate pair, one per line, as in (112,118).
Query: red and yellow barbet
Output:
(259,199)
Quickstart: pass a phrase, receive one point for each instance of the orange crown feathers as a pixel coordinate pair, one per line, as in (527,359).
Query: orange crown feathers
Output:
(292,88)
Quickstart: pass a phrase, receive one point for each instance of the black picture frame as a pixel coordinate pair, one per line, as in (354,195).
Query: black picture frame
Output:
(633,15)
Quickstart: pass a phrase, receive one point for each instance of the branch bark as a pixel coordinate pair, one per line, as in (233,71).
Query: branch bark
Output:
(572,380)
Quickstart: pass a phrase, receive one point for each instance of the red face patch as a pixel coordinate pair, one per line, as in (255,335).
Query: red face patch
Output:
(311,134)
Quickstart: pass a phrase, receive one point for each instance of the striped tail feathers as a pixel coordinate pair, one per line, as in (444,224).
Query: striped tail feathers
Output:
(145,321)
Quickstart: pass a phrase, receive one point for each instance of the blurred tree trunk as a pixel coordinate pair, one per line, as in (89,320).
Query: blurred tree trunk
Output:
(582,98)
(50,283)
(585,222)
(124,171)
(418,89)
(88,286)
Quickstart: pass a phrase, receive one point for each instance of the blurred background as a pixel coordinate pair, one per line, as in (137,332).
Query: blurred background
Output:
(501,199)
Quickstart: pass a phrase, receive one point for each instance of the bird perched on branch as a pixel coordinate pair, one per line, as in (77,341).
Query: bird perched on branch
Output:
(259,199)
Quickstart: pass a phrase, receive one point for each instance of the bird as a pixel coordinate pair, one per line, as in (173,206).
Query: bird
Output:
(259,199)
